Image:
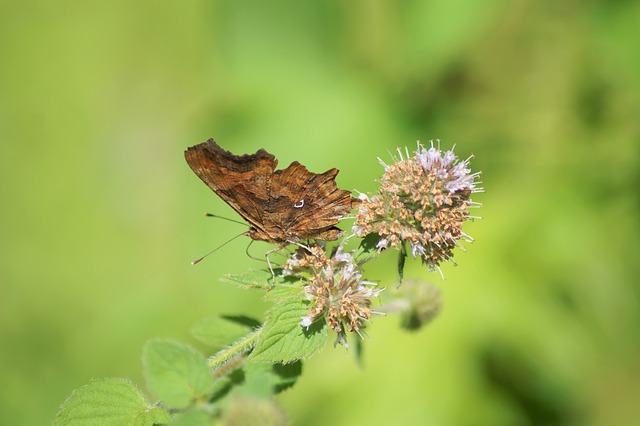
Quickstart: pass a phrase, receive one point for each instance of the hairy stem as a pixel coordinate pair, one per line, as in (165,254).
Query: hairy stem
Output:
(237,348)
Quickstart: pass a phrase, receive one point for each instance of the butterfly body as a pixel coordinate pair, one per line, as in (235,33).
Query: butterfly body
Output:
(281,206)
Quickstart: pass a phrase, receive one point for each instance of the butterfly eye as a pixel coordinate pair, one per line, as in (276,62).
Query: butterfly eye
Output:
(299,204)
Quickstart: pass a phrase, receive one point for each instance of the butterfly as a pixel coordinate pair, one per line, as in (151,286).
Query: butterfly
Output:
(281,206)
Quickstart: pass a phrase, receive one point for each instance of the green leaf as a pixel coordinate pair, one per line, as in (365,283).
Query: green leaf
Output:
(252,279)
(359,352)
(263,379)
(402,257)
(227,384)
(368,243)
(221,331)
(284,292)
(286,375)
(107,402)
(283,339)
(258,381)
(367,249)
(175,372)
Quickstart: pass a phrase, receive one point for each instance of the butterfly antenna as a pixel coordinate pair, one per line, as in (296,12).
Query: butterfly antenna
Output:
(217,248)
(225,218)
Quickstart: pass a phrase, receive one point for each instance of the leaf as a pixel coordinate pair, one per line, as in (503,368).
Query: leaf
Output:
(243,320)
(368,243)
(367,249)
(402,257)
(175,372)
(359,352)
(263,379)
(284,292)
(258,381)
(220,331)
(107,402)
(226,384)
(253,279)
(283,339)
(286,374)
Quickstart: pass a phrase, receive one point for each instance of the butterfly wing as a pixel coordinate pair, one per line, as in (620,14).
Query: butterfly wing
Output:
(240,180)
(306,205)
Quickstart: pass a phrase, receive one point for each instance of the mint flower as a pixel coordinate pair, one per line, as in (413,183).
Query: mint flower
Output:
(423,201)
(335,289)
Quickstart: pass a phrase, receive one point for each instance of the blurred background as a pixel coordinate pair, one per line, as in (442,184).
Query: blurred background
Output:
(100,215)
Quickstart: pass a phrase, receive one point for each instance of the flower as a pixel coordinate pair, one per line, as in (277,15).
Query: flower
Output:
(424,304)
(423,201)
(335,289)
(417,302)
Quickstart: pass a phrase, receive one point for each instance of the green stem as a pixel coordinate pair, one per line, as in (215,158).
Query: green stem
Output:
(236,348)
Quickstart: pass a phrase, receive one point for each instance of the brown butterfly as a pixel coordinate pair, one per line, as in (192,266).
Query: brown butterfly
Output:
(282,206)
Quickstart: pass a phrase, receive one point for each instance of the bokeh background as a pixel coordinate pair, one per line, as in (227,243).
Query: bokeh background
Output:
(100,215)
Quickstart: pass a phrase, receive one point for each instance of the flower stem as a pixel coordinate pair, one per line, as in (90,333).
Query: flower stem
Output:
(236,348)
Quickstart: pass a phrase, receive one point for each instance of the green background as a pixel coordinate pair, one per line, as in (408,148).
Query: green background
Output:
(100,215)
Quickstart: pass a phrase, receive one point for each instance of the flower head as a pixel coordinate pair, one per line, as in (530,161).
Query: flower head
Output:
(423,201)
(335,288)
(424,304)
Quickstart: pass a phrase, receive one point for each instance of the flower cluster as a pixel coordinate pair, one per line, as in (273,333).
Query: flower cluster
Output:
(335,288)
(423,201)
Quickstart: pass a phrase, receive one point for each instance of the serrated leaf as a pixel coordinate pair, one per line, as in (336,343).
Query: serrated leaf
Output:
(369,242)
(219,331)
(283,339)
(286,375)
(367,249)
(284,292)
(263,379)
(253,279)
(175,372)
(109,402)
(252,323)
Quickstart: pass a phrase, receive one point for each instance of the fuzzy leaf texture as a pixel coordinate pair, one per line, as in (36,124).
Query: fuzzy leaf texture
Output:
(109,402)
(175,372)
(283,339)
(252,279)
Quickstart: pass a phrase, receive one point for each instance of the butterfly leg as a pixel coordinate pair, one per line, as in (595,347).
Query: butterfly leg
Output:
(305,247)
(266,256)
